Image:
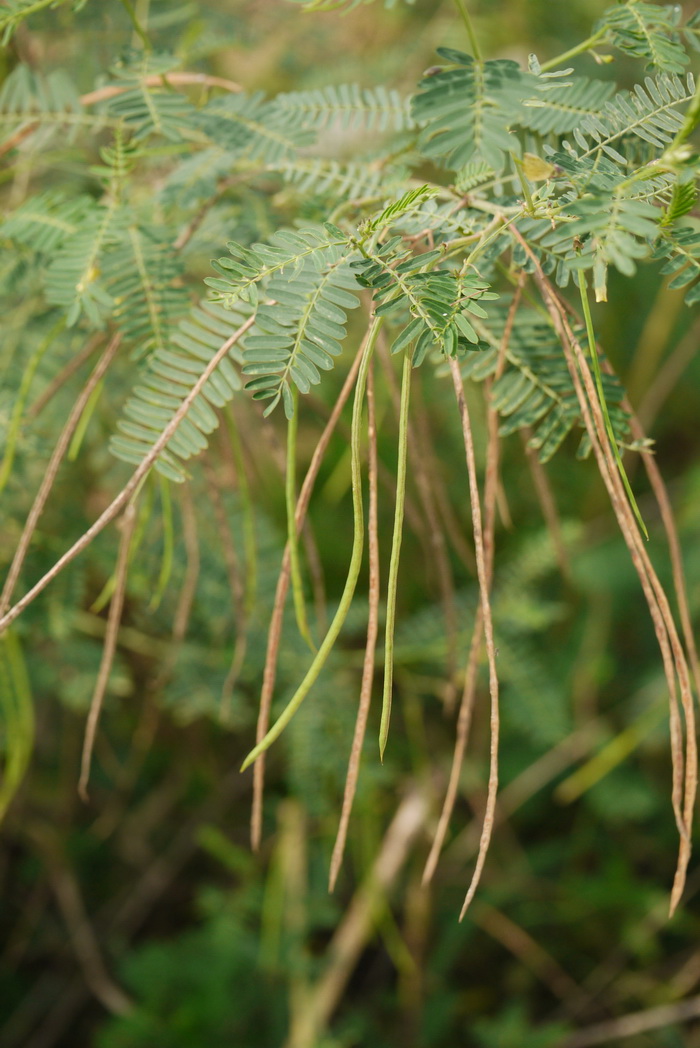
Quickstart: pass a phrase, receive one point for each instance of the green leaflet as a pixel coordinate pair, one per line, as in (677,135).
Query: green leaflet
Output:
(166,381)
(349,105)
(646,31)
(254,127)
(16,715)
(467,109)
(681,248)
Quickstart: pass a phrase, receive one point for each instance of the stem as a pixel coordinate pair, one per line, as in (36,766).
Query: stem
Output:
(395,552)
(138,28)
(249,540)
(586,45)
(110,645)
(353,570)
(370,648)
(485,605)
(292,538)
(16,420)
(166,566)
(604,407)
(461,7)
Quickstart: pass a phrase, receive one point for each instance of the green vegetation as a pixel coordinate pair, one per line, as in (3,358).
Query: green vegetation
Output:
(298,298)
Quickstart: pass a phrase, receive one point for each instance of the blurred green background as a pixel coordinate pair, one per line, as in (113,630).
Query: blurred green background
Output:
(143,919)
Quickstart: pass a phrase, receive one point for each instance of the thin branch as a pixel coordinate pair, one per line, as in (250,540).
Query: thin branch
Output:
(129,488)
(637,1022)
(110,645)
(52,470)
(355,929)
(473,42)
(470,679)
(685,772)
(548,505)
(290,493)
(481,566)
(102,94)
(464,721)
(84,939)
(392,584)
(66,373)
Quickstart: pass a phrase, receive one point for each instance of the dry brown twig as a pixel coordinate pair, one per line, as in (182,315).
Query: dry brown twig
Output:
(481,565)
(52,469)
(469,690)
(685,770)
(63,376)
(110,644)
(102,94)
(120,500)
(353,932)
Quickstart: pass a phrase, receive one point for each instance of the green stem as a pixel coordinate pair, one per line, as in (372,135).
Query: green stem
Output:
(395,552)
(355,559)
(585,45)
(166,566)
(592,349)
(527,193)
(474,43)
(250,545)
(18,409)
(17,708)
(138,28)
(84,422)
(292,537)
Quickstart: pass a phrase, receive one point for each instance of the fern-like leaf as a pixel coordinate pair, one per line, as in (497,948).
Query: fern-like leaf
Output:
(32,102)
(148,110)
(649,113)
(561,108)
(683,198)
(252,126)
(166,381)
(142,274)
(347,105)
(681,248)
(439,301)
(468,108)
(302,330)
(646,31)
(247,268)
(74,276)
(351,181)
(605,230)
(43,222)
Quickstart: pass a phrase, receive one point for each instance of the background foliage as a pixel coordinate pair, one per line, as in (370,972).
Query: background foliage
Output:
(143,917)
